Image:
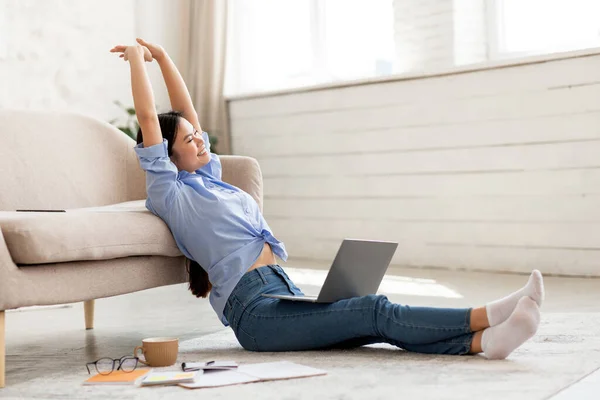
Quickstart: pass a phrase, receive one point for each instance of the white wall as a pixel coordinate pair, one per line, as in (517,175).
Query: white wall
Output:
(54,54)
(492,169)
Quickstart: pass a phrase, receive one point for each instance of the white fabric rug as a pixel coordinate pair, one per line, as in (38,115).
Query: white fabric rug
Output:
(566,348)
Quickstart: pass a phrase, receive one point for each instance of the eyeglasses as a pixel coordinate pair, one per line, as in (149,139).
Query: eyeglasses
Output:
(105,366)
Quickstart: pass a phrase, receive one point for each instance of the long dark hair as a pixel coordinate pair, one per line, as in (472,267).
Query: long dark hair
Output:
(200,286)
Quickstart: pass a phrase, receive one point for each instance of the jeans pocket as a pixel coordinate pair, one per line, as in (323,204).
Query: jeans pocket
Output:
(242,334)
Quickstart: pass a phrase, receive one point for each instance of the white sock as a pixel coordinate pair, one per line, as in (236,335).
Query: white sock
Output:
(498,342)
(499,310)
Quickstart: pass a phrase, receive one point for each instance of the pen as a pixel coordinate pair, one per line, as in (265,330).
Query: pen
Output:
(209,363)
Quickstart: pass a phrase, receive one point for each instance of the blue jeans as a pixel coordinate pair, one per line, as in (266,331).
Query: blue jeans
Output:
(267,324)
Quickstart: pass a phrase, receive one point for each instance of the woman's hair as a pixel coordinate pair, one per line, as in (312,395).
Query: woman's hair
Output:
(169,123)
(199,283)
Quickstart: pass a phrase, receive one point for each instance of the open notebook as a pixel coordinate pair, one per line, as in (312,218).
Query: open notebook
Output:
(253,373)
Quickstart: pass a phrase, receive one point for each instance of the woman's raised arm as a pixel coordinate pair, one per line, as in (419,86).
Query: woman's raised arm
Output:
(143,98)
(178,93)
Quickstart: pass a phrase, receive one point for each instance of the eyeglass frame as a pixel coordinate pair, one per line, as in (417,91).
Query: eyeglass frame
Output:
(114,360)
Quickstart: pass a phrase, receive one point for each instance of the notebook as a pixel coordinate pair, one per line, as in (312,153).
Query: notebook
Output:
(253,373)
(169,377)
(118,377)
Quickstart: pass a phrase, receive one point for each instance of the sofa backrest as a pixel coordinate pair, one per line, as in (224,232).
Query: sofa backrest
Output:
(65,160)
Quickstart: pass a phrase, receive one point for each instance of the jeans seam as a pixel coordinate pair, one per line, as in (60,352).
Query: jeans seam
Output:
(468,319)
(465,329)
(462,329)
(463,342)
(263,275)
(252,338)
(304,314)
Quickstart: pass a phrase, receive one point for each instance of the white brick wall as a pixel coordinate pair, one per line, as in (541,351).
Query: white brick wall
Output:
(433,34)
(470,33)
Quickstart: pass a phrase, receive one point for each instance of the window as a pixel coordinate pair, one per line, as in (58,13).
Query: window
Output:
(3,33)
(275,44)
(526,27)
(281,44)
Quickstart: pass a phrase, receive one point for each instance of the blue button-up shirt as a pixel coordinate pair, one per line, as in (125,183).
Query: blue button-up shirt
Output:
(214,223)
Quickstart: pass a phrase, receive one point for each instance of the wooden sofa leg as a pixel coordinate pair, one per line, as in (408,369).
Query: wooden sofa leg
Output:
(2,350)
(88,309)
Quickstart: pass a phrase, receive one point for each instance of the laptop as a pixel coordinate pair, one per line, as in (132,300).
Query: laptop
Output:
(357,270)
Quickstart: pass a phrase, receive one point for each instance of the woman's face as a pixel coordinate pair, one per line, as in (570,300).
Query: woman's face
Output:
(189,152)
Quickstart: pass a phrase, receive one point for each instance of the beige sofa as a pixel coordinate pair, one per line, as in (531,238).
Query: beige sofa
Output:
(106,243)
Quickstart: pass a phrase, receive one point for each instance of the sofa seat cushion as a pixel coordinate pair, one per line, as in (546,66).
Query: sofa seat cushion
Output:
(97,233)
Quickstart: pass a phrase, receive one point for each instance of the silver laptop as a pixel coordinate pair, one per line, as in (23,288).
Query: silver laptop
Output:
(357,270)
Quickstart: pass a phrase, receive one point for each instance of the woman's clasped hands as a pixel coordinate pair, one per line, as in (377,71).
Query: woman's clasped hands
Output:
(148,50)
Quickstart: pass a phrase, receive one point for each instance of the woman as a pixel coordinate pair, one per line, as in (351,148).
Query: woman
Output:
(220,227)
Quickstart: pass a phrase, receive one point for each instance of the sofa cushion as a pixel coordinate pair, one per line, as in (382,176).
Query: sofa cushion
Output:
(97,233)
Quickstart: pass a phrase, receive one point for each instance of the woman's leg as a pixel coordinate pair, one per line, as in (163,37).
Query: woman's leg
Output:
(265,324)
(475,342)
(478,323)
(277,325)
(479,319)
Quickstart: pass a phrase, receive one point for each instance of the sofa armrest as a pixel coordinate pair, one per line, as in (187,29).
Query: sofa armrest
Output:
(136,177)
(244,172)
(7,274)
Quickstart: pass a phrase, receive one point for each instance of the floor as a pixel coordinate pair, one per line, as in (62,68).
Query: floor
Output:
(43,340)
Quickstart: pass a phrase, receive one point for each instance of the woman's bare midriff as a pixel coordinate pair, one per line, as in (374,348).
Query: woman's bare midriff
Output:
(266,258)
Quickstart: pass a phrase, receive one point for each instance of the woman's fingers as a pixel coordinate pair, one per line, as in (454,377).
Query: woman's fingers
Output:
(124,50)
(147,54)
(150,46)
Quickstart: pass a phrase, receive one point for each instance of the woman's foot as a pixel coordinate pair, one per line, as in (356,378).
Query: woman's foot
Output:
(499,310)
(499,341)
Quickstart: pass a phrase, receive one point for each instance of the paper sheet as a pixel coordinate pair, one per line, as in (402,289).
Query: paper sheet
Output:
(253,373)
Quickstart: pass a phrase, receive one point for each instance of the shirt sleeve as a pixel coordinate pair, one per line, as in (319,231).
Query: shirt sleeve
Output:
(214,165)
(162,184)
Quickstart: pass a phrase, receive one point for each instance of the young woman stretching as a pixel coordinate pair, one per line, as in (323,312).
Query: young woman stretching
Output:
(232,250)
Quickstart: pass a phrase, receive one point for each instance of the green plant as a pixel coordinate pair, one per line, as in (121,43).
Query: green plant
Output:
(130,125)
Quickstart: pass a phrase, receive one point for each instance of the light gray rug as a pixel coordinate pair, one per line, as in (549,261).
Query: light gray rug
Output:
(566,348)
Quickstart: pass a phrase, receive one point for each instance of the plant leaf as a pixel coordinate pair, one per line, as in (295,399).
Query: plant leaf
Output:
(127,131)
(131,111)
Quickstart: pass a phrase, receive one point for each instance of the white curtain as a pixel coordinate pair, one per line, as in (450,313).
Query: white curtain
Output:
(204,33)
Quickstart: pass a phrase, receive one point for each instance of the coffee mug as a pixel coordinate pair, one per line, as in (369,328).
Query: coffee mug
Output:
(159,351)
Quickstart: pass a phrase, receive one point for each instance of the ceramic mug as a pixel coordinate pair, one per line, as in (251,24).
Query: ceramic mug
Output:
(159,351)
